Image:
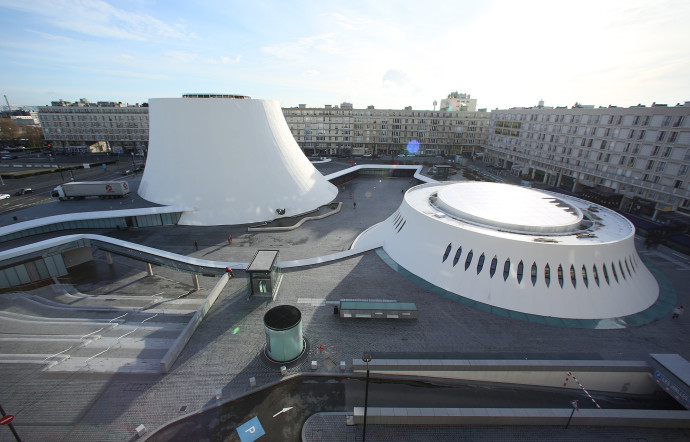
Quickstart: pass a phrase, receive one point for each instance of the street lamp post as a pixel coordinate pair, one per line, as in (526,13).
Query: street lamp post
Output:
(366,357)
(575,406)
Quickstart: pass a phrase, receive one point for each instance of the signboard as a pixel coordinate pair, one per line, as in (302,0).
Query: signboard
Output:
(678,393)
(7,419)
(250,430)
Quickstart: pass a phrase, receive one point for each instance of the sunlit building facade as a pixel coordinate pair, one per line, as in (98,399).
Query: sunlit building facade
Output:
(640,154)
(101,126)
(343,130)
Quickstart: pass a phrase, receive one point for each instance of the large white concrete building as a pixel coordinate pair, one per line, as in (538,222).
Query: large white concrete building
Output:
(232,158)
(521,250)
(641,153)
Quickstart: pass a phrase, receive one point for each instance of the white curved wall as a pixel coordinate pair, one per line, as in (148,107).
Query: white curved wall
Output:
(234,160)
(417,239)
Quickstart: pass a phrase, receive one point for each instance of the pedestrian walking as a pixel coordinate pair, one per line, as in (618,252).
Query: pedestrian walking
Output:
(677,312)
(354,204)
(196,244)
(229,240)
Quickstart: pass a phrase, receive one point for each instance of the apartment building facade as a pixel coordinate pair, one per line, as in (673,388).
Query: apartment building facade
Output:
(343,130)
(641,154)
(101,126)
(330,130)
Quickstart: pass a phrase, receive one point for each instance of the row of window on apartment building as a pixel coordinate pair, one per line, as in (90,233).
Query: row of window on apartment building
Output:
(626,120)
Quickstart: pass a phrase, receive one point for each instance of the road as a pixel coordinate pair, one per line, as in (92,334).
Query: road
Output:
(303,396)
(41,204)
(43,184)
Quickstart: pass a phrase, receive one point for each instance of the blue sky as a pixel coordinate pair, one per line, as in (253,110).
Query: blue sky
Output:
(389,54)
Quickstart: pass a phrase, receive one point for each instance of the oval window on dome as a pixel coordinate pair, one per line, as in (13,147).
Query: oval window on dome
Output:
(506,269)
(606,274)
(480,263)
(613,269)
(620,265)
(492,269)
(547,275)
(520,268)
(584,276)
(573,275)
(534,273)
(445,255)
(468,261)
(595,273)
(457,256)
(560,275)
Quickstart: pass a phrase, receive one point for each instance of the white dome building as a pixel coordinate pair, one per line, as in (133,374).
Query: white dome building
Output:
(232,158)
(520,249)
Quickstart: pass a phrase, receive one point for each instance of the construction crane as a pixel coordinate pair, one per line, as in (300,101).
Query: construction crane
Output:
(9,108)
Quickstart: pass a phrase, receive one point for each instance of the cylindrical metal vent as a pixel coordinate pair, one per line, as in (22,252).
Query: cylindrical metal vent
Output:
(283,327)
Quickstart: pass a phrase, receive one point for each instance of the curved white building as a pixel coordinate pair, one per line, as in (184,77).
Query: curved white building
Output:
(234,160)
(520,249)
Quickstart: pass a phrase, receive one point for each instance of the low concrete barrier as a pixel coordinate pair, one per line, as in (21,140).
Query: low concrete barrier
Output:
(264,228)
(523,416)
(633,377)
(181,341)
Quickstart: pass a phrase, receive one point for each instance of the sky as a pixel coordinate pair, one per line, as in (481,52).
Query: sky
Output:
(389,54)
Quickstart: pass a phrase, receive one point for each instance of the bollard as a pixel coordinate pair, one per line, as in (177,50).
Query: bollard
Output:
(314,365)
(219,394)
(141,430)
(283,370)
(342,366)
(252,381)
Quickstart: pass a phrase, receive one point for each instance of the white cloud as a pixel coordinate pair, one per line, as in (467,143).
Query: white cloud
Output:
(395,79)
(303,47)
(100,19)
(180,56)
(310,73)
(343,21)
(49,36)
(226,60)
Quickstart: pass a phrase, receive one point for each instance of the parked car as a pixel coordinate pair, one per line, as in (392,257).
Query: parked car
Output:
(24,191)
(9,157)
(4,196)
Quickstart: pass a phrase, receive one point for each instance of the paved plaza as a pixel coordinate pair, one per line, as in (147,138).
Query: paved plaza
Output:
(76,400)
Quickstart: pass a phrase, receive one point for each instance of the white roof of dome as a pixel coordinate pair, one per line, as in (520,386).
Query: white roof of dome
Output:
(510,207)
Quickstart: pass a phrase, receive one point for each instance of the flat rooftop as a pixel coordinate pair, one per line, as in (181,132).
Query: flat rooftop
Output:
(505,206)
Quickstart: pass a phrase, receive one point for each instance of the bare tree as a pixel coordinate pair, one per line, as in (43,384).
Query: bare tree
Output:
(34,135)
(8,129)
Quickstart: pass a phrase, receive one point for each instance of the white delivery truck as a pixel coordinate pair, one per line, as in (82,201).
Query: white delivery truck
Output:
(80,190)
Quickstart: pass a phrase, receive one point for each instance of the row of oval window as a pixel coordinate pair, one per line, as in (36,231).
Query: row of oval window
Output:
(399,222)
(629,264)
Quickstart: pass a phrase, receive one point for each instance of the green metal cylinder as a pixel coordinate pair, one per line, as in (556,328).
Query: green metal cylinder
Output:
(283,327)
